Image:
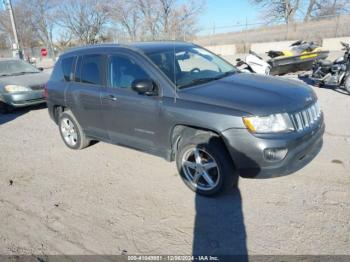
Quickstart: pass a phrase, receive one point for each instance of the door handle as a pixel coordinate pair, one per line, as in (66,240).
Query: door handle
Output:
(110,97)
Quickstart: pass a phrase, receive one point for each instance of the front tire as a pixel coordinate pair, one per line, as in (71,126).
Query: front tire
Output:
(71,132)
(205,165)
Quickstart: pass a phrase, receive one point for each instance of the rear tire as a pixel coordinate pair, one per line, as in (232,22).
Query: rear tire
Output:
(205,165)
(71,132)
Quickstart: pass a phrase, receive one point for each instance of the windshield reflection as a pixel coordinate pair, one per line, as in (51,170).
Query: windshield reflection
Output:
(191,65)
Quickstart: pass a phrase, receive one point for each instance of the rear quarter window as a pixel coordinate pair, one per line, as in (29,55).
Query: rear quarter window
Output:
(63,70)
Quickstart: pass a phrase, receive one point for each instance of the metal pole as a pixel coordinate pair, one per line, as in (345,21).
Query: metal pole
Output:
(16,48)
(246,35)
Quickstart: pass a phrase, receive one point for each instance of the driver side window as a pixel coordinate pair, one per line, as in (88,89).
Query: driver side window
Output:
(124,71)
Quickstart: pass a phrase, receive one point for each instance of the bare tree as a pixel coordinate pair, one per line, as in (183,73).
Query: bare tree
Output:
(278,10)
(330,7)
(184,19)
(158,19)
(150,11)
(43,20)
(310,9)
(85,20)
(325,8)
(128,16)
(166,8)
(25,31)
(63,41)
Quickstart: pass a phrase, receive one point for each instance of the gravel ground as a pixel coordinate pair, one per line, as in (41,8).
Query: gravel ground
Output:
(108,199)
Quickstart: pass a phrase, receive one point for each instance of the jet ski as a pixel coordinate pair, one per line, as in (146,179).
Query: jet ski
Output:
(300,57)
(253,64)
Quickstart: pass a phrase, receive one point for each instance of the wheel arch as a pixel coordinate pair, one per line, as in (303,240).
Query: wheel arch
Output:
(182,132)
(57,110)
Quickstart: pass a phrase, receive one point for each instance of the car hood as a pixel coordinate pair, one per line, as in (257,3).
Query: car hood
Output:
(253,94)
(25,80)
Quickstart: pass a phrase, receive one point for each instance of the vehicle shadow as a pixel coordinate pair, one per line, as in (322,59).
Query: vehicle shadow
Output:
(219,228)
(8,117)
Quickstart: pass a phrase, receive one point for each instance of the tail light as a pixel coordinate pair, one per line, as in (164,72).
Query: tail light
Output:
(46,93)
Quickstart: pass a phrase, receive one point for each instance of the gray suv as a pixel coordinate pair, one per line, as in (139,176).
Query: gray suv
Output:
(181,102)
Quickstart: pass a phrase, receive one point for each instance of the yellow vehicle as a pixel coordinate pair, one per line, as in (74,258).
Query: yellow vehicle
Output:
(300,57)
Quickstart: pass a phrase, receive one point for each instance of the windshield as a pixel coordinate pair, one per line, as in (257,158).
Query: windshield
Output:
(16,67)
(192,65)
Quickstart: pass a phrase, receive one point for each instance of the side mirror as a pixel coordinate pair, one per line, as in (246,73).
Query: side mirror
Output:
(144,87)
(40,68)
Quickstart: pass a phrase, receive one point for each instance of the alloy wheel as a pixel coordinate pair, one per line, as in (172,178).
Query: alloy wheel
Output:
(200,169)
(69,132)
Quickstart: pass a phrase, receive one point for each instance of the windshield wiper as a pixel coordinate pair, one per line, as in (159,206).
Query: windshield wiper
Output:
(207,79)
(228,73)
(198,81)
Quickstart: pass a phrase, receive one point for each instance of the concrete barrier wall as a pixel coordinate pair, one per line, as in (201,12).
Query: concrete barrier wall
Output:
(261,48)
(333,44)
(222,50)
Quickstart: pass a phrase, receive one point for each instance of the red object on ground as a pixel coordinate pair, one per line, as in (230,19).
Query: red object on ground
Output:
(43,52)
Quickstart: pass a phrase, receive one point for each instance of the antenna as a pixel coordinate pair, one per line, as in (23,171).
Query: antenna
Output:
(174,66)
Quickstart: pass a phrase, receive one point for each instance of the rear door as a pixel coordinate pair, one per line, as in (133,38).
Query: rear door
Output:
(132,119)
(60,80)
(85,94)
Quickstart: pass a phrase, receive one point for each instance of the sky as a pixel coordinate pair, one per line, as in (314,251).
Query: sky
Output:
(224,13)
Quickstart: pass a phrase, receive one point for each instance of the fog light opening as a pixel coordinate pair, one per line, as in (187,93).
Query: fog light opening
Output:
(275,154)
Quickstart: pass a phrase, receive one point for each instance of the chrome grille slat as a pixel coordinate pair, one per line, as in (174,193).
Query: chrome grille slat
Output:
(300,123)
(306,118)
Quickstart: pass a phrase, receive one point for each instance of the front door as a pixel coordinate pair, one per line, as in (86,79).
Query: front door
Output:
(132,119)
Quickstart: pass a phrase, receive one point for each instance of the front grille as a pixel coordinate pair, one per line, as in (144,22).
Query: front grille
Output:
(306,118)
(37,87)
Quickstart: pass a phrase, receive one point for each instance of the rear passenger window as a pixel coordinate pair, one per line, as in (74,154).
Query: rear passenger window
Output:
(91,69)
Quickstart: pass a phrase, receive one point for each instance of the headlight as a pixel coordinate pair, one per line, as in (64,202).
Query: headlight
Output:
(269,124)
(15,88)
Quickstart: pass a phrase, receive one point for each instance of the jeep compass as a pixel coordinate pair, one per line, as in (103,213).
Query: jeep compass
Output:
(181,102)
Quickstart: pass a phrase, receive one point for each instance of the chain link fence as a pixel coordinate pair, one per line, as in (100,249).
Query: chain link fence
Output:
(241,34)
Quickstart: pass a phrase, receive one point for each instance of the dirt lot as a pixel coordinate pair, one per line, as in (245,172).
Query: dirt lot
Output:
(108,200)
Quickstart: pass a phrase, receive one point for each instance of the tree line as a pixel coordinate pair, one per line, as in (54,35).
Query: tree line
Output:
(287,11)
(66,23)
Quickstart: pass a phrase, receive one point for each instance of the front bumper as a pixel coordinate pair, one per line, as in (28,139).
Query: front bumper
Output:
(22,99)
(247,150)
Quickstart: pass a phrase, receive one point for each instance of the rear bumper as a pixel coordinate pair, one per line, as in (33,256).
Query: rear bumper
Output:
(247,151)
(23,99)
